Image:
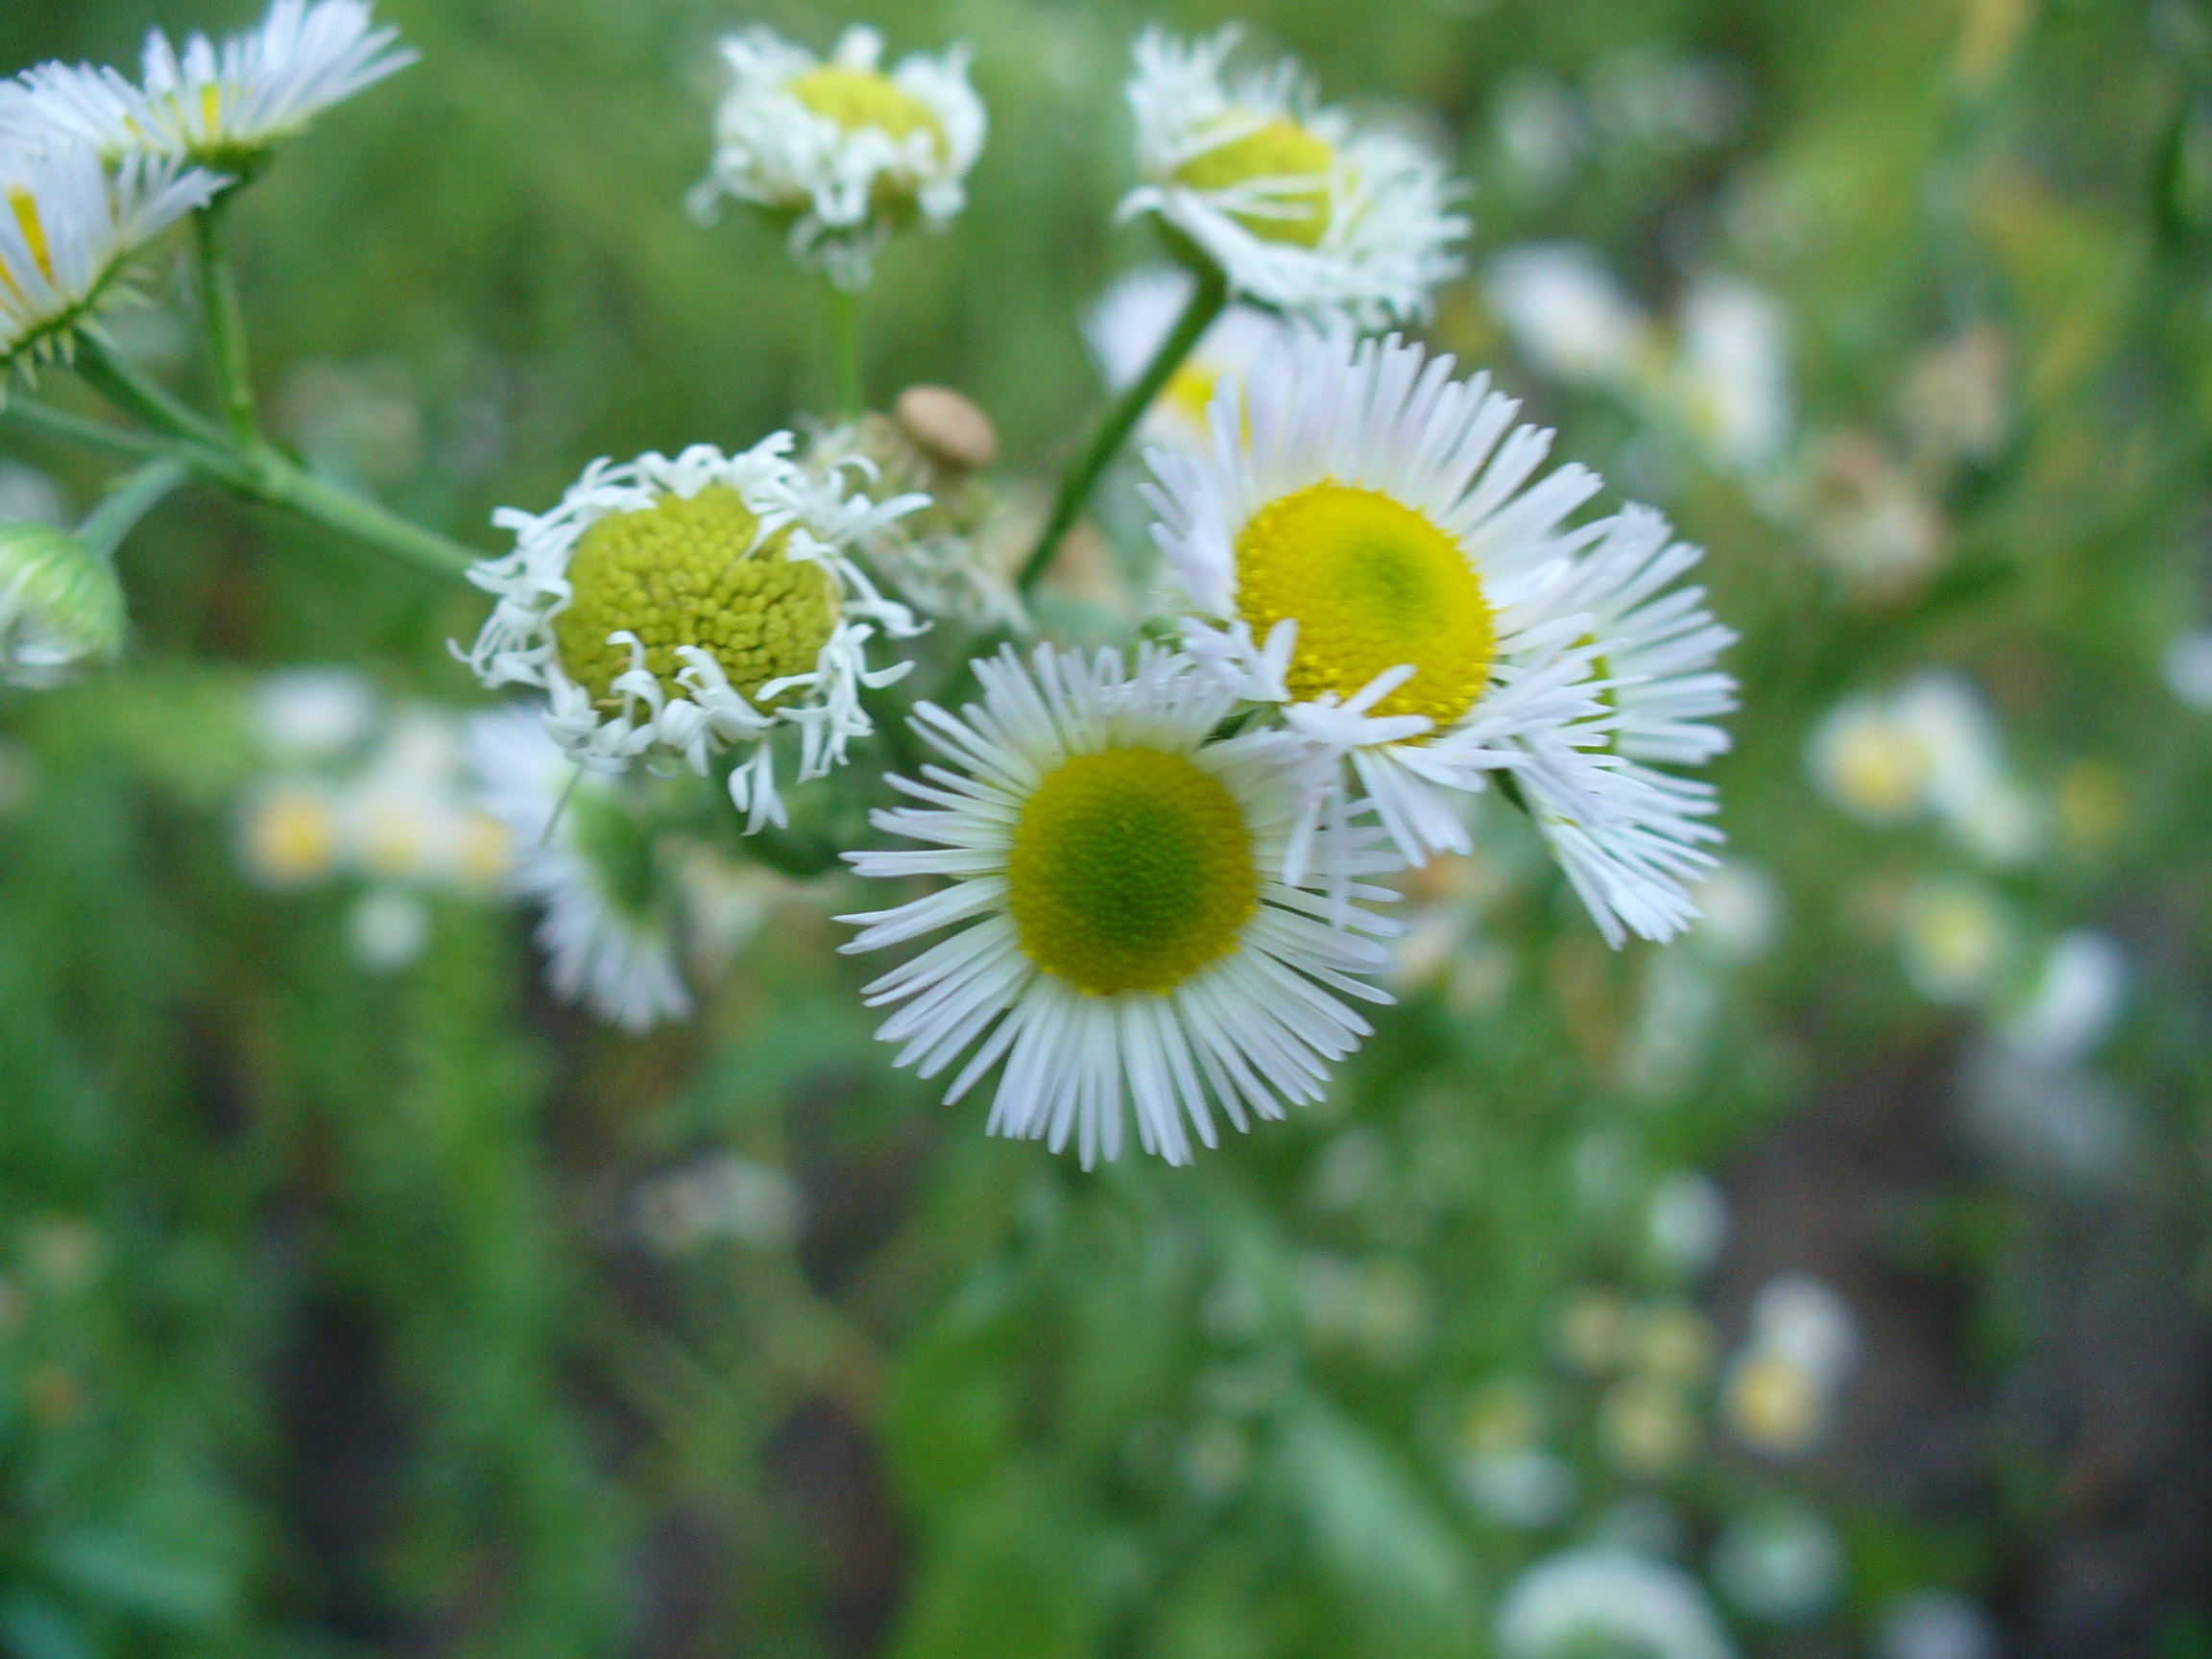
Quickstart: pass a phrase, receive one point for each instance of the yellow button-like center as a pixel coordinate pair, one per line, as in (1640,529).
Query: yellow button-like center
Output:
(1131,869)
(856,99)
(1292,161)
(1372,584)
(688,573)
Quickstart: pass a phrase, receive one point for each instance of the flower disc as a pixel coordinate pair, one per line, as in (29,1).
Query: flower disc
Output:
(687,572)
(1372,584)
(861,98)
(1279,150)
(1131,869)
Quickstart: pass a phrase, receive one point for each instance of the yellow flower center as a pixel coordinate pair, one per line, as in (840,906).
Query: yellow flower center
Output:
(1290,159)
(1190,389)
(688,573)
(1131,869)
(857,99)
(1372,584)
(25,207)
(211,107)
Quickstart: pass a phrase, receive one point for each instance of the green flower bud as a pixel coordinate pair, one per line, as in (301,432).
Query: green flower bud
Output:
(61,608)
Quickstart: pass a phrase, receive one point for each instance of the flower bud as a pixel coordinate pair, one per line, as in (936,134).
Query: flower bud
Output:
(60,607)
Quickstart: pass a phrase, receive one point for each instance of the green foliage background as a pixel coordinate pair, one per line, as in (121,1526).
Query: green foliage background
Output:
(326,1330)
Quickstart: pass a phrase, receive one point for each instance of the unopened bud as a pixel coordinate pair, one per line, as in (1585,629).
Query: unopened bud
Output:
(947,427)
(61,608)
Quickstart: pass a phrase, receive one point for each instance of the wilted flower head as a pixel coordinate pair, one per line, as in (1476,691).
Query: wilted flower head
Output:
(61,608)
(838,150)
(689,607)
(1299,207)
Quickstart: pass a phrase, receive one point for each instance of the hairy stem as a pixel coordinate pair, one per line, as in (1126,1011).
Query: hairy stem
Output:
(137,494)
(1122,416)
(224,319)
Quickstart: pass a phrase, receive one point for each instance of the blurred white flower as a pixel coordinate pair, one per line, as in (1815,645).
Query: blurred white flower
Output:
(1936,1625)
(1569,315)
(1955,396)
(582,856)
(1596,1600)
(1781,1563)
(1540,128)
(1687,1222)
(28,496)
(839,150)
(1867,517)
(1929,746)
(2050,1122)
(1781,1388)
(2076,1000)
(2186,664)
(387,929)
(1802,1317)
(1645,1427)
(1528,1490)
(1127,325)
(1739,912)
(721,1198)
(1731,379)
(289,833)
(1954,939)
(312,713)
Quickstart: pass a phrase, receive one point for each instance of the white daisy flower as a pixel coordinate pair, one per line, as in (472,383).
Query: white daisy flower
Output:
(1126,933)
(1300,209)
(223,105)
(1606,1600)
(1357,545)
(1127,327)
(65,231)
(581,853)
(841,151)
(676,610)
(1632,860)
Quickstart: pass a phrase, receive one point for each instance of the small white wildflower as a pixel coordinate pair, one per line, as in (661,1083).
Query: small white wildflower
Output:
(841,151)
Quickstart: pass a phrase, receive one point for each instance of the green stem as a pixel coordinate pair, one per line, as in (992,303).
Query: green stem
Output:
(224,318)
(140,492)
(845,382)
(259,473)
(53,424)
(281,484)
(1122,416)
(137,397)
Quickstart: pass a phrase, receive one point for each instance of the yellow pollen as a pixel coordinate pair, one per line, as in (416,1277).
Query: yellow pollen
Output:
(1131,869)
(211,107)
(292,838)
(688,573)
(26,210)
(1372,584)
(856,99)
(1281,150)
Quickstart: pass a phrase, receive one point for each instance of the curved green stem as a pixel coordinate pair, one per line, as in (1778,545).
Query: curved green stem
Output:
(104,528)
(844,328)
(137,397)
(47,421)
(224,318)
(277,481)
(1122,416)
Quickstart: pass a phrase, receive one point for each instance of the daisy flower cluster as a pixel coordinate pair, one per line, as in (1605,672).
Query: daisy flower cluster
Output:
(1155,874)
